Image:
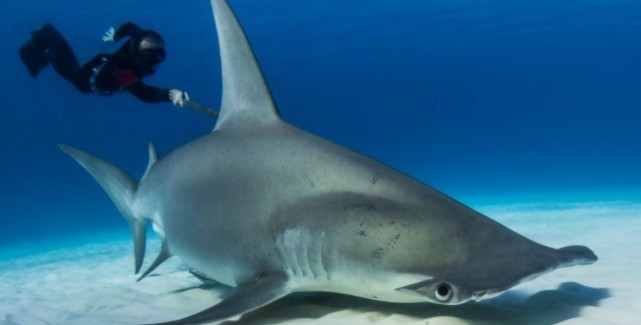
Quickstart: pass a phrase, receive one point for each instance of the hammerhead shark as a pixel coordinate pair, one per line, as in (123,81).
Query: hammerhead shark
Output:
(270,209)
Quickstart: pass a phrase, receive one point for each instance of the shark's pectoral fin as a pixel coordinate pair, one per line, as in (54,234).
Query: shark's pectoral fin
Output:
(162,256)
(247,297)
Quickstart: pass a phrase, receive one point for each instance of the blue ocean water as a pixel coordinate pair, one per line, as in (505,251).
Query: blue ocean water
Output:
(488,101)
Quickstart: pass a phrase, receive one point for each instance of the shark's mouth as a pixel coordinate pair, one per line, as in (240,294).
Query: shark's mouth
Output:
(486,294)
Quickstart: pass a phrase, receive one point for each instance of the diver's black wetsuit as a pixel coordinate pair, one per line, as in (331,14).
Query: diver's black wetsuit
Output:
(105,74)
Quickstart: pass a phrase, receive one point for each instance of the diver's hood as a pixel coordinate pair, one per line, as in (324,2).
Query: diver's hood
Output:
(149,50)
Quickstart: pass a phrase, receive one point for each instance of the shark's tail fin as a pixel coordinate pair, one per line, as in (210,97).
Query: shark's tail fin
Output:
(121,188)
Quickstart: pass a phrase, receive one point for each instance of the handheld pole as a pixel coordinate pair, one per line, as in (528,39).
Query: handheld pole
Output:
(199,107)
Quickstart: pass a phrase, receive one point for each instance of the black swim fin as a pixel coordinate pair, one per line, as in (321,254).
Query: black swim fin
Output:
(33,56)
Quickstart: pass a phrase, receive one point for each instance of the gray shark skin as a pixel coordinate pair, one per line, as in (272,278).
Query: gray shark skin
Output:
(270,209)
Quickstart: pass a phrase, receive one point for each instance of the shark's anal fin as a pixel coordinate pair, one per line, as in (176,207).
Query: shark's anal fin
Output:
(247,297)
(247,100)
(121,188)
(162,256)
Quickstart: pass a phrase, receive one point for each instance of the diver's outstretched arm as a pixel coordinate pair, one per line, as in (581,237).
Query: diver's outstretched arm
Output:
(127,29)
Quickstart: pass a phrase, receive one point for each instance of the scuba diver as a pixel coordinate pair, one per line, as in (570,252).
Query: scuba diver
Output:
(105,74)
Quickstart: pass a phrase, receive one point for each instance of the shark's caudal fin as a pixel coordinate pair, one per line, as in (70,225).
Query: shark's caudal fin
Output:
(247,99)
(121,188)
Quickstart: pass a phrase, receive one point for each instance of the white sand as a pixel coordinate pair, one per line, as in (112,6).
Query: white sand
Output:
(94,283)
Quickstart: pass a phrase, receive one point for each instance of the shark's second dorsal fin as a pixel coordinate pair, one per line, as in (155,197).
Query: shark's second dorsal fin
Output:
(153,158)
(246,100)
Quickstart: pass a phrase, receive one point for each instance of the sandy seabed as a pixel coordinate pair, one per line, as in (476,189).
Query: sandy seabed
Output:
(93,283)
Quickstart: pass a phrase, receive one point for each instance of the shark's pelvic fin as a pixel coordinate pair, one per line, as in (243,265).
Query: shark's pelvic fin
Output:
(202,277)
(162,256)
(247,99)
(121,188)
(245,298)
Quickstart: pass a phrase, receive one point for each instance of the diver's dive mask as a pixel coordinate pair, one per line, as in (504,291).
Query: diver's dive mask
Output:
(150,52)
(152,56)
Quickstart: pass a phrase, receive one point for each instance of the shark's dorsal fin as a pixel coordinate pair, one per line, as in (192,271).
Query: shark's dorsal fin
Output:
(247,100)
(153,158)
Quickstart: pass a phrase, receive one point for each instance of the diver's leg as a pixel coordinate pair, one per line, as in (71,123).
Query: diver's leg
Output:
(59,53)
(47,42)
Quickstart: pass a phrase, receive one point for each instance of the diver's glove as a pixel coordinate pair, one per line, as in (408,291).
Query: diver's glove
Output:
(109,35)
(178,97)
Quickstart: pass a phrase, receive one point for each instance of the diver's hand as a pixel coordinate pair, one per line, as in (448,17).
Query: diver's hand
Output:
(109,35)
(178,97)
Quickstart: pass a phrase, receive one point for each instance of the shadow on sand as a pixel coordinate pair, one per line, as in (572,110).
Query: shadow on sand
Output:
(545,307)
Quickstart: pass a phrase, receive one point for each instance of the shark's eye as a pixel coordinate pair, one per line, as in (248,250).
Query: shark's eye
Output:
(443,292)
